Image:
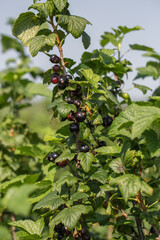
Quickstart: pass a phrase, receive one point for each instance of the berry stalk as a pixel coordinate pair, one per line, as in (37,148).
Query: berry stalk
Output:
(59,46)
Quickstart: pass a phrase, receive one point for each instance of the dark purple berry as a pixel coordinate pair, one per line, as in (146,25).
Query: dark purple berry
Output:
(69,100)
(61,80)
(57,68)
(74,127)
(67,77)
(80,116)
(61,86)
(61,164)
(77,102)
(84,148)
(52,156)
(54,58)
(107,121)
(101,144)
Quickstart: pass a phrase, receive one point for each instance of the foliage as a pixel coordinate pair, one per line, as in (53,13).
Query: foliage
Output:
(100,167)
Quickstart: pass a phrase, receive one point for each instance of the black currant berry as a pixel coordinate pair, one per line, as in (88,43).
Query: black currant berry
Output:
(77,102)
(54,58)
(74,127)
(56,68)
(69,100)
(101,144)
(61,86)
(62,80)
(52,156)
(67,77)
(61,164)
(54,78)
(78,93)
(107,121)
(84,148)
(80,116)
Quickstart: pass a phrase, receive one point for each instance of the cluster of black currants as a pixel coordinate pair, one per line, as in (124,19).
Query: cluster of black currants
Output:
(61,230)
(52,157)
(61,80)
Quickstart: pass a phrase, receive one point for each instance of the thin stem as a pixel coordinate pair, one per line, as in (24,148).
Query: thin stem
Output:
(13,228)
(125,53)
(139,226)
(77,142)
(59,46)
(72,170)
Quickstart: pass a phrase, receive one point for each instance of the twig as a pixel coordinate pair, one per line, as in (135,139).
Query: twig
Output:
(72,170)
(13,228)
(59,46)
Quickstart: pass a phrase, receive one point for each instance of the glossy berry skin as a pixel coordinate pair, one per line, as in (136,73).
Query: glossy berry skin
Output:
(74,127)
(54,58)
(54,79)
(77,103)
(61,164)
(61,80)
(125,95)
(52,156)
(107,121)
(67,77)
(61,86)
(69,100)
(84,148)
(56,68)
(80,116)
(101,144)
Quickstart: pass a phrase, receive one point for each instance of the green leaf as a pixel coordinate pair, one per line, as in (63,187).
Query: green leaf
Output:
(4,233)
(41,8)
(31,227)
(147,71)
(83,188)
(141,47)
(75,25)
(117,166)
(86,40)
(11,43)
(129,186)
(38,89)
(109,150)
(69,216)
(143,88)
(110,96)
(152,142)
(66,155)
(86,160)
(37,43)
(91,77)
(51,201)
(109,37)
(66,177)
(77,196)
(153,55)
(65,108)
(139,118)
(60,4)
(26,26)
(100,175)
(144,117)
(18,197)
(125,29)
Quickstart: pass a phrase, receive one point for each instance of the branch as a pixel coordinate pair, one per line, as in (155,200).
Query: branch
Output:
(13,228)
(59,46)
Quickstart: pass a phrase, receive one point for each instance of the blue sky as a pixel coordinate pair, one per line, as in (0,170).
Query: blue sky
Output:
(103,15)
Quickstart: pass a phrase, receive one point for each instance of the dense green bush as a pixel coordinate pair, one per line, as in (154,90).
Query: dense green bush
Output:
(97,175)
